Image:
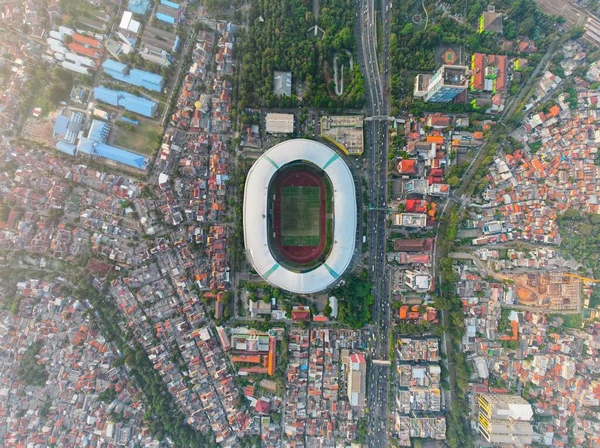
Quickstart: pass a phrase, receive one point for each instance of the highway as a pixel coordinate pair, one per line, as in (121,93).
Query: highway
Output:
(377,154)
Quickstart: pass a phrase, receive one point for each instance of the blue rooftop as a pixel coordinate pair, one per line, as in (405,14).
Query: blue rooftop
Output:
(99,131)
(60,125)
(170,4)
(130,102)
(121,155)
(66,147)
(95,145)
(134,76)
(165,18)
(138,6)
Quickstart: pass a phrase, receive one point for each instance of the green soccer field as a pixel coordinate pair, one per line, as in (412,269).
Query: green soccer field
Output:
(300,212)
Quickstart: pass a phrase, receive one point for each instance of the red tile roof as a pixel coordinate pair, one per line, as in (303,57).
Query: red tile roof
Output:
(407,166)
(478,68)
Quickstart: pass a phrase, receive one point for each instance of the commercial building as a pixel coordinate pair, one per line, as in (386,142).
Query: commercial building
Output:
(346,132)
(128,28)
(95,145)
(443,85)
(417,280)
(158,45)
(439,190)
(411,220)
(279,123)
(414,245)
(357,376)
(505,419)
(135,77)
(81,55)
(126,100)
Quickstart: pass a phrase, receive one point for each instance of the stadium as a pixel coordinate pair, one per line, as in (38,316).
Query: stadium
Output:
(300,216)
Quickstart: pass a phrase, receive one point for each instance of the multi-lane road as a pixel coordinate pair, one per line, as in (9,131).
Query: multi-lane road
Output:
(377,152)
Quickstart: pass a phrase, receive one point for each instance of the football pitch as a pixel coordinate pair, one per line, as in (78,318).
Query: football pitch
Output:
(300,214)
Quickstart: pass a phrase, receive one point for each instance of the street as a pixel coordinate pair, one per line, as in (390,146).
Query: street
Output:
(377,153)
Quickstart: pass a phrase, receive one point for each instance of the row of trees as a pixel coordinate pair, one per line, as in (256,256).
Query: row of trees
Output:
(163,416)
(46,87)
(458,431)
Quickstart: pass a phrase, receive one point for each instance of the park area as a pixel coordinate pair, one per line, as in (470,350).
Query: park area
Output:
(300,217)
(143,138)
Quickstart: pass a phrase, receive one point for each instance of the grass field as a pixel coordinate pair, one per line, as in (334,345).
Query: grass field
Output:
(144,138)
(300,214)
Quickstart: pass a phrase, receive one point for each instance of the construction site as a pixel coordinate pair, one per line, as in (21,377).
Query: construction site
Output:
(346,132)
(556,291)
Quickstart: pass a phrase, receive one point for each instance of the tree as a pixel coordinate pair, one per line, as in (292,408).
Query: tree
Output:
(30,371)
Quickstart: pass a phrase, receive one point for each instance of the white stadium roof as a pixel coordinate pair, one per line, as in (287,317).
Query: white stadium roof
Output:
(255,216)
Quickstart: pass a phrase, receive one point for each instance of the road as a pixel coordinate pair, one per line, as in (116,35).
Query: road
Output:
(377,154)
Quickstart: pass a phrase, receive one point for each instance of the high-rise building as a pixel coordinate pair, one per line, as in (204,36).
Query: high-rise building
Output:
(505,419)
(443,85)
(357,376)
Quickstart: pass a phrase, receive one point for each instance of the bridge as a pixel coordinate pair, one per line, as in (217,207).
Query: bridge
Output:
(382,362)
(380,118)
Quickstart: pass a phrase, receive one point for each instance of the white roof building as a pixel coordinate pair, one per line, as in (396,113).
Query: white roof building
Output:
(255,216)
(279,123)
(128,23)
(417,280)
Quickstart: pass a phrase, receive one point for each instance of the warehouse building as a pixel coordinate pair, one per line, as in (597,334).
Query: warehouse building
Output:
(169,12)
(126,100)
(135,77)
(69,130)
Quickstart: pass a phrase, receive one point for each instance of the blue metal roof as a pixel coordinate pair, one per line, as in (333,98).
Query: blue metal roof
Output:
(99,131)
(120,155)
(113,65)
(136,77)
(91,147)
(130,102)
(138,6)
(106,95)
(60,125)
(170,4)
(66,147)
(165,18)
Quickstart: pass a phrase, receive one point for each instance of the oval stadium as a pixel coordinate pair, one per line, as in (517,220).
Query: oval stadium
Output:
(300,216)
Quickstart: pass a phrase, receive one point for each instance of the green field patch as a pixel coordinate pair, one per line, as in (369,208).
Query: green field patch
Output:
(300,214)
(144,138)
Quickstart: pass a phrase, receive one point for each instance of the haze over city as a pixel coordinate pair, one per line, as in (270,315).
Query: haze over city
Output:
(299,224)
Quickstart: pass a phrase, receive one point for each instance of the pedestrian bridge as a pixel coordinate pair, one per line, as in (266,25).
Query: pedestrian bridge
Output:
(382,362)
